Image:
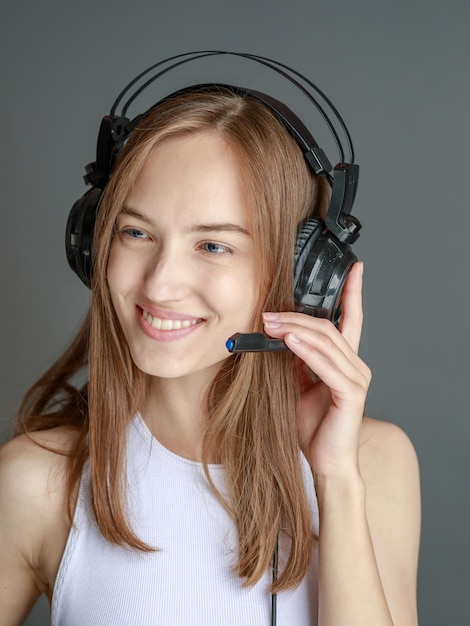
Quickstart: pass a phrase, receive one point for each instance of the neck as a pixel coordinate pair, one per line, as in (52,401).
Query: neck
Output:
(176,414)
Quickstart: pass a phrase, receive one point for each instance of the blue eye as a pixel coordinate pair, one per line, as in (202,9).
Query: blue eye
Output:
(215,248)
(133,233)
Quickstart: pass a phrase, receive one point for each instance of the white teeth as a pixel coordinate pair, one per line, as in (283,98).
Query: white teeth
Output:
(164,324)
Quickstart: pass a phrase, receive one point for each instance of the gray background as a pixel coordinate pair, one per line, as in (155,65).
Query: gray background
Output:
(399,72)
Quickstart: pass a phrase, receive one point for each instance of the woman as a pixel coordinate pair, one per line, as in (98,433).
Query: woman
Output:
(157,492)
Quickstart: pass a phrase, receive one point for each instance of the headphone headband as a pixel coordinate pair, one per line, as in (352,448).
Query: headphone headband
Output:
(282,69)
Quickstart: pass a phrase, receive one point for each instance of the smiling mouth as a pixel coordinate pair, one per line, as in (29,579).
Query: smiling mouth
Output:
(165,324)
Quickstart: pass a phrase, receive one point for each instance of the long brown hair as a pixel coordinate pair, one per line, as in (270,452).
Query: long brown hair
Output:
(252,401)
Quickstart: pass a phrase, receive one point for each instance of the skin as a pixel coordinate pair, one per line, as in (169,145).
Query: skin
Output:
(167,261)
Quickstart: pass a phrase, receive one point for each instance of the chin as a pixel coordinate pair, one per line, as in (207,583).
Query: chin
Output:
(178,368)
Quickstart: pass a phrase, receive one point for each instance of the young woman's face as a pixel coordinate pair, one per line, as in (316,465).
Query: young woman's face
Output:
(182,269)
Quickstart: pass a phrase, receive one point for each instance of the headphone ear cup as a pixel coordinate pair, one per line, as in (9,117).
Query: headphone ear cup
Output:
(321,266)
(79,234)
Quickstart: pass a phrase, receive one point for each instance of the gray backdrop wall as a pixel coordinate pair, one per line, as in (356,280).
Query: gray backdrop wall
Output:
(399,72)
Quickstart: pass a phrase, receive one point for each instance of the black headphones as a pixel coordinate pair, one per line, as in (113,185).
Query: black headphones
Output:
(322,255)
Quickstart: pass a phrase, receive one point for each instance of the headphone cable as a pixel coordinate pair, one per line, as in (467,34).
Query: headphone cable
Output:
(275,573)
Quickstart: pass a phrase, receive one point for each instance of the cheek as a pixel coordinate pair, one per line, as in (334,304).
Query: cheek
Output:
(119,272)
(112,276)
(243,294)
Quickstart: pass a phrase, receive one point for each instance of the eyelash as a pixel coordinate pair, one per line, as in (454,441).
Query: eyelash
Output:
(223,249)
(131,233)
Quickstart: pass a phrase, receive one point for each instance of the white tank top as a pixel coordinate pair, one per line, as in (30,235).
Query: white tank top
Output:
(190,581)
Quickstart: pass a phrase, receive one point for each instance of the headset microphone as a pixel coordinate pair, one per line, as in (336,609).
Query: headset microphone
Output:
(254,342)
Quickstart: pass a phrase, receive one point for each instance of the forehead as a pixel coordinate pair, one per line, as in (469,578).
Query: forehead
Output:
(190,175)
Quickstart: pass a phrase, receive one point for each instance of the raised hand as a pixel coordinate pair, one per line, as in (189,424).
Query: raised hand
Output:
(332,400)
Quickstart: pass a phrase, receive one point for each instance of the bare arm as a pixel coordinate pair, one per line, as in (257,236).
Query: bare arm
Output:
(369,535)
(393,504)
(31,520)
(19,536)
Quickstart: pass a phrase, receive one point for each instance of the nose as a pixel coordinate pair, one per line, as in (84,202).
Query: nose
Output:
(166,276)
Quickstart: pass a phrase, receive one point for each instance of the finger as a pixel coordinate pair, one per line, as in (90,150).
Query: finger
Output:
(321,355)
(314,330)
(347,381)
(308,338)
(352,313)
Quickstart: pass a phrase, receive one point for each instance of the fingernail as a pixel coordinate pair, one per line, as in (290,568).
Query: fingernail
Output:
(361,265)
(268,315)
(294,338)
(272,324)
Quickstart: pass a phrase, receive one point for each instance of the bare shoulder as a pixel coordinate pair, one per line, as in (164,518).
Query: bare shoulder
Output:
(389,467)
(386,453)
(33,470)
(35,464)
(33,517)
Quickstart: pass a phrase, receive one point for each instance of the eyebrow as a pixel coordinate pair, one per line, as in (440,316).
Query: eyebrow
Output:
(198,228)
(223,227)
(132,213)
